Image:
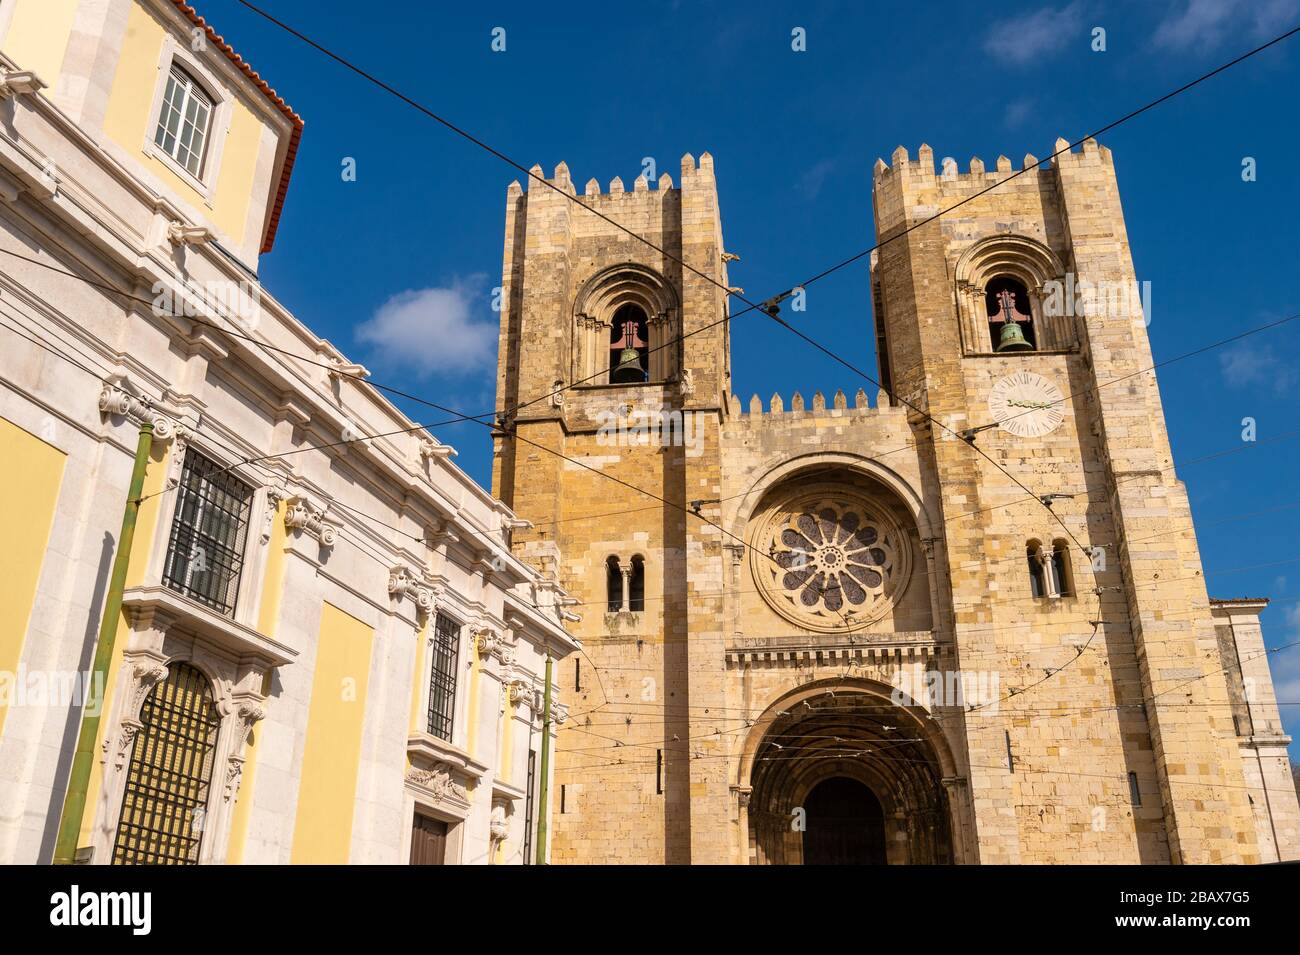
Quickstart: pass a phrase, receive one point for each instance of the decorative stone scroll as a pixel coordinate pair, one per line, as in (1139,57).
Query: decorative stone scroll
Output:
(403,582)
(143,675)
(304,514)
(247,713)
(117,401)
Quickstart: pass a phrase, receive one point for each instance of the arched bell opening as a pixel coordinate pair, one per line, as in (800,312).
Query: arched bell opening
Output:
(847,778)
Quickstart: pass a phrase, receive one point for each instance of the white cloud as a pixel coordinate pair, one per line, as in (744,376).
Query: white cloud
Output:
(1202,25)
(1025,39)
(433,331)
(1250,366)
(811,182)
(1018,112)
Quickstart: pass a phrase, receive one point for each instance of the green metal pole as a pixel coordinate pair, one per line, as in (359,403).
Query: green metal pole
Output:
(74,803)
(542,800)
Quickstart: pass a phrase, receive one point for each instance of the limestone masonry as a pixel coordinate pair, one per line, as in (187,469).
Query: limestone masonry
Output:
(772,660)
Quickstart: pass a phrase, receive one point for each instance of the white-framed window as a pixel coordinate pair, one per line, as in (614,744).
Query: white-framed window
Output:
(184,121)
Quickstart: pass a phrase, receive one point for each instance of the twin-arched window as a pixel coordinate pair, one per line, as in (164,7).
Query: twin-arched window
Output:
(625,584)
(1050,572)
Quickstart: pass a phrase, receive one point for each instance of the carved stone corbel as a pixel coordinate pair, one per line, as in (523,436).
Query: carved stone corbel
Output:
(499,827)
(432,449)
(142,676)
(178,233)
(402,582)
(247,713)
(114,400)
(304,514)
(19,82)
(274,495)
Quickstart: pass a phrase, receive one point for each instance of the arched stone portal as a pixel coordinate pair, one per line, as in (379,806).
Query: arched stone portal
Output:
(844,825)
(808,753)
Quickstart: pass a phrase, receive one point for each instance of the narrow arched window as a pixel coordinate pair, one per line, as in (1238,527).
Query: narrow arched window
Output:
(613,585)
(629,348)
(1061,583)
(1037,574)
(1011,317)
(636,586)
(170,775)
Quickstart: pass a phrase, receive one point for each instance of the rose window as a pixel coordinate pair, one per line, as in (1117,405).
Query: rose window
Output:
(829,561)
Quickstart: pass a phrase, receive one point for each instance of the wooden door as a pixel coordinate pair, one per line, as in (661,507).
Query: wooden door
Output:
(428,841)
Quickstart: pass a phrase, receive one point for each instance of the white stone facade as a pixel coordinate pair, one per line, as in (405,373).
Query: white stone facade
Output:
(162,319)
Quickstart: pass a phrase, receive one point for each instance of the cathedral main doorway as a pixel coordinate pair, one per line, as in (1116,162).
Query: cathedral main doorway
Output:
(844,826)
(843,777)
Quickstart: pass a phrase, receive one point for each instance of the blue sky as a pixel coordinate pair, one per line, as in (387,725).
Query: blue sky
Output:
(397,267)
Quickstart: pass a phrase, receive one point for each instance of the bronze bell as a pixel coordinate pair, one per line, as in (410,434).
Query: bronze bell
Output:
(628,368)
(1013,338)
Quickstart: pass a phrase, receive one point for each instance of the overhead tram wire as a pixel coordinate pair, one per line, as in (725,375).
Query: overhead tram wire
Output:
(848,627)
(461,417)
(661,500)
(1053,672)
(769,306)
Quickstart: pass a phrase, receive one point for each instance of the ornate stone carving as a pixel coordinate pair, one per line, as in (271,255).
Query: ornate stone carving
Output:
(126,735)
(178,233)
(306,515)
(829,559)
(499,824)
(432,449)
(145,675)
(402,582)
(688,382)
(274,495)
(438,782)
(247,712)
(117,401)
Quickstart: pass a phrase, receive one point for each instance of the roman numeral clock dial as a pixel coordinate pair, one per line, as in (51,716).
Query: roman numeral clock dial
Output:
(1026,404)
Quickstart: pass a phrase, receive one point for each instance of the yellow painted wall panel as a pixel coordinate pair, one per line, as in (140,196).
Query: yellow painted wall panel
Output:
(268,616)
(129,123)
(38,36)
(331,759)
(29,495)
(146,522)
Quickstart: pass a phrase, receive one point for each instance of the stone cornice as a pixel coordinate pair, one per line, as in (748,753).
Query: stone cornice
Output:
(121,241)
(147,606)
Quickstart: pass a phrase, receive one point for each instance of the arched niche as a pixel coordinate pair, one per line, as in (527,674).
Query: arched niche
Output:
(594,308)
(1027,262)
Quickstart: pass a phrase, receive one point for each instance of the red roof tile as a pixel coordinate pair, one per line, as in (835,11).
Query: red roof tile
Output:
(268,238)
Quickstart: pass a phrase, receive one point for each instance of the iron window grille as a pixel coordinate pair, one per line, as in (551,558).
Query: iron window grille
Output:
(166,796)
(442,676)
(205,553)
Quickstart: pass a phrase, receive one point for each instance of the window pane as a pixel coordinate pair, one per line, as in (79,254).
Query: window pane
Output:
(209,529)
(442,676)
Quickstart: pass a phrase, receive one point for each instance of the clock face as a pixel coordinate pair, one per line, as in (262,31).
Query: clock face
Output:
(1026,405)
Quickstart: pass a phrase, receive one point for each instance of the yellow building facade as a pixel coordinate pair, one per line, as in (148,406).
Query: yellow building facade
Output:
(325,657)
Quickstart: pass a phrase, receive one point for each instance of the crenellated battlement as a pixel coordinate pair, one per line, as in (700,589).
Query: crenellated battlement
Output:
(903,168)
(798,407)
(693,172)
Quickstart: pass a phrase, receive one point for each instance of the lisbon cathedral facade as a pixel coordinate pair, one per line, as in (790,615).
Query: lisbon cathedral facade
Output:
(960,619)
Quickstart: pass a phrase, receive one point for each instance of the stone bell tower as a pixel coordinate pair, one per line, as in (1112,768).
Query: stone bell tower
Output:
(1116,737)
(578,295)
